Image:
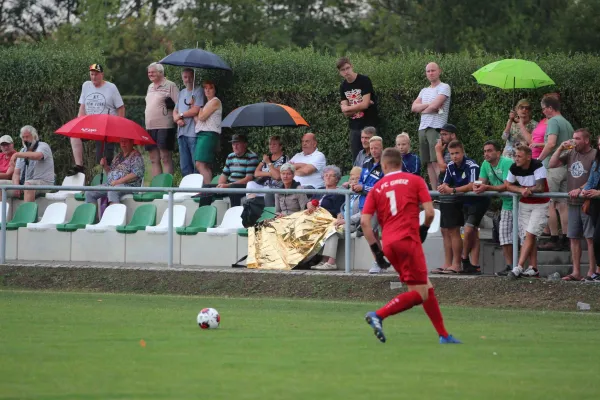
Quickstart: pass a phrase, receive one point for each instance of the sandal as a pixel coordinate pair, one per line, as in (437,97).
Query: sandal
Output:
(571,278)
(439,270)
(450,271)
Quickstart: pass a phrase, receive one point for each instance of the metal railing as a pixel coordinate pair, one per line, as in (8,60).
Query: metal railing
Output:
(171,190)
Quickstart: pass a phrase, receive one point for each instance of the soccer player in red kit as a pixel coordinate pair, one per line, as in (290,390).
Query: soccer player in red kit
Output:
(396,199)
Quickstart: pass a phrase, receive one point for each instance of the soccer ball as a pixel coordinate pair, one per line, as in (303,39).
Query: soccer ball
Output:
(208,318)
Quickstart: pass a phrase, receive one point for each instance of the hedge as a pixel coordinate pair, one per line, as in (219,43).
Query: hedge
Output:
(48,79)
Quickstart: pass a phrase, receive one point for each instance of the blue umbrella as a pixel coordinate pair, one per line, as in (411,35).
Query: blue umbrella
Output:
(195,58)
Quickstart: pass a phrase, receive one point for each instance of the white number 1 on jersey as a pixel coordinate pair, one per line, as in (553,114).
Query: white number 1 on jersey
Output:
(392,196)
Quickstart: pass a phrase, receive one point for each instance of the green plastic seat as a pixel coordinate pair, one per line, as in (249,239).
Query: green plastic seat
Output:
(84,214)
(95,182)
(268,213)
(142,217)
(204,217)
(160,180)
(344,179)
(25,214)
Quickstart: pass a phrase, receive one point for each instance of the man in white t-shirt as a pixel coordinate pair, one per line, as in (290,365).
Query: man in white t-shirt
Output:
(97,97)
(309,163)
(433,103)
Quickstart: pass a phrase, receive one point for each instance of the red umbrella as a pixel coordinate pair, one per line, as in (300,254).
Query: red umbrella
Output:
(106,128)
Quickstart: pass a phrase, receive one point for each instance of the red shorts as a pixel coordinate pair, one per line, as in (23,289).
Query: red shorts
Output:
(408,259)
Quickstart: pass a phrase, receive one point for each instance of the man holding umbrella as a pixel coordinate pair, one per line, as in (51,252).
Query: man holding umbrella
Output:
(97,97)
(188,105)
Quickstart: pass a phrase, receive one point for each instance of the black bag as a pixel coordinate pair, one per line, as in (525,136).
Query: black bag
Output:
(169,103)
(253,209)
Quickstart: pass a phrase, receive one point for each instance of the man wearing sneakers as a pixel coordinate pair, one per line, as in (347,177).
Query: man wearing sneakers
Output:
(97,97)
(525,177)
(578,155)
(494,171)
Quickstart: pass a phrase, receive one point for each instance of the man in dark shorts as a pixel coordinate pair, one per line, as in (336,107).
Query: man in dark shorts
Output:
(358,103)
(396,199)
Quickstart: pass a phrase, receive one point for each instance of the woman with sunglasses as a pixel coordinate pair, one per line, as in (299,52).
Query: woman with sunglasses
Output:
(518,128)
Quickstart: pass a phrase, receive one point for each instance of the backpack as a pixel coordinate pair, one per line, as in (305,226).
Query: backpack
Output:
(253,209)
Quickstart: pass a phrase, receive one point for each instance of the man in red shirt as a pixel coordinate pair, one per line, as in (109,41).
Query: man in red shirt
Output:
(396,199)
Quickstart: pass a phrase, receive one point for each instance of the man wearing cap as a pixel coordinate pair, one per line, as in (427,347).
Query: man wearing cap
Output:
(8,149)
(433,104)
(97,97)
(239,168)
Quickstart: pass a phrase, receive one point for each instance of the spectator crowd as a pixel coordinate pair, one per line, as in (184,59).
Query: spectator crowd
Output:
(534,157)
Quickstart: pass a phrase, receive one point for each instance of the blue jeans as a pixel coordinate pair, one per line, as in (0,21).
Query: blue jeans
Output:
(187,147)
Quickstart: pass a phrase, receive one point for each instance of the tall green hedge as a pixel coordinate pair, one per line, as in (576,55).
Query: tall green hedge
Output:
(40,86)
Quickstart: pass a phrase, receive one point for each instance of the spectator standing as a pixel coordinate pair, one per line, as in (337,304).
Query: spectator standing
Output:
(267,173)
(97,97)
(126,170)
(7,148)
(518,128)
(358,102)
(309,163)
(161,98)
(188,105)
(590,191)
(578,155)
(558,130)
(494,171)
(433,104)
(208,129)
(528,176)
(461,173)
(34,164)
(411,162)
(365,154)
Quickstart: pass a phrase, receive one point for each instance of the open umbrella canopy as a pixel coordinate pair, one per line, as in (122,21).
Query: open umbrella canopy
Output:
(195,58)
(513,74)
(262,115)
(105,127)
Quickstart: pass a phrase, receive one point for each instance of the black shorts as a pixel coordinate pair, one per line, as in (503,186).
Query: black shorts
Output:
(164,138)
(474,212)
(451,215)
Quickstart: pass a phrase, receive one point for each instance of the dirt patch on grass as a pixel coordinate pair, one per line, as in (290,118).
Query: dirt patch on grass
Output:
(538,294)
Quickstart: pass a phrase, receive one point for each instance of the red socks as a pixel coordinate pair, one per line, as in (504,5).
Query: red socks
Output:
(402,302)
(432,308)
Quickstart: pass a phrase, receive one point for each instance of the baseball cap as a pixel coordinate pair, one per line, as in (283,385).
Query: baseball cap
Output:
(6,139)
(238,138)
(448,128)
(97,68)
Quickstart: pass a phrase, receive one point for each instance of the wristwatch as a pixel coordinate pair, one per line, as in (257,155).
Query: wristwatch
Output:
(453,190)
(180,115)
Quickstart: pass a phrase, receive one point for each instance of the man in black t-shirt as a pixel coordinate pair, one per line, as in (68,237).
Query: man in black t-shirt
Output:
(358,102)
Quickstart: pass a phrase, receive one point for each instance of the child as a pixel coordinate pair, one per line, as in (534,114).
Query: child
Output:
(411,163)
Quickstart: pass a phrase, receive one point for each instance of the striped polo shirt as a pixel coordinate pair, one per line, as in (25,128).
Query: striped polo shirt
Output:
(237,167)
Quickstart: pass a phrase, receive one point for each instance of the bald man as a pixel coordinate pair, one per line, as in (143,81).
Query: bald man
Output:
(433,103)
(309,163)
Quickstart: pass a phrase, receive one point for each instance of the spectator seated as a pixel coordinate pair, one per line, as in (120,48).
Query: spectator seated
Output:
(95,182)
(55,214)
(142,217)
(163,225)
(25,214)
(84,214)
(191,181)
(160,180)
(73,180)
(205,217)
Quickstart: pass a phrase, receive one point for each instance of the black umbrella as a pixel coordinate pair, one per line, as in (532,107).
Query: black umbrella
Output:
(195,58)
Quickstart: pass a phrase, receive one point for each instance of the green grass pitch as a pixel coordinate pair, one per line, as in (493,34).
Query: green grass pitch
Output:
(87,346)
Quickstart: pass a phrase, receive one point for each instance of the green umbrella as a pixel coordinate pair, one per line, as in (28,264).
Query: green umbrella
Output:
(513,74)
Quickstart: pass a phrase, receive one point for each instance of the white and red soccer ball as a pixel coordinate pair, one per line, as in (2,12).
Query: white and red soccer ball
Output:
(208,318)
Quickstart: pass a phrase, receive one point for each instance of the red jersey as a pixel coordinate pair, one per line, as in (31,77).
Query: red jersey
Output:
(396,198)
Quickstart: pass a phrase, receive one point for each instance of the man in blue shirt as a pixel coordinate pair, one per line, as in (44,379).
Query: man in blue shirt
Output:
(461,173)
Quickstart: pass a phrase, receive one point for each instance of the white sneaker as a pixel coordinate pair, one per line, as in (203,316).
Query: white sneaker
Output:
(318,266)
(325,267)
(375,269)
(517,271)
(531,272)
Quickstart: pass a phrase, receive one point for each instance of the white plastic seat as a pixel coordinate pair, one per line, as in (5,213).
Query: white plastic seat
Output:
(435,224)
(7,212)
(189,181)
(56,213)
(232,221)
(73,180)
(113,216)
(163,227)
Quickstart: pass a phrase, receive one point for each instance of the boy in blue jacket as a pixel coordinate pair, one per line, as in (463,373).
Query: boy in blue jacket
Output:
(411,162)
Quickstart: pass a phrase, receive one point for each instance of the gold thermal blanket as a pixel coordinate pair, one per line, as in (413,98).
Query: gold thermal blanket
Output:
(284,242)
